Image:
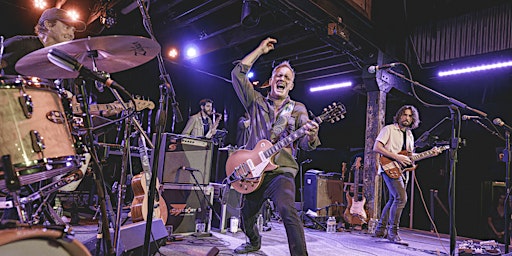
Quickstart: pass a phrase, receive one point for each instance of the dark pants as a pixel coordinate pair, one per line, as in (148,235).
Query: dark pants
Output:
(391,213)
(280,188)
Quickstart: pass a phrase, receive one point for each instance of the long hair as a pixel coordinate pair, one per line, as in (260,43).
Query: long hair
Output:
(415,116)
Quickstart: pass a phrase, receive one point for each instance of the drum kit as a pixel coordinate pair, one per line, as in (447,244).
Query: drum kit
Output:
(38,140)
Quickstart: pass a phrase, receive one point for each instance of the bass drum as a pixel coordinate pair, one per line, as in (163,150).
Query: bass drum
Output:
(40,242)
(34,130)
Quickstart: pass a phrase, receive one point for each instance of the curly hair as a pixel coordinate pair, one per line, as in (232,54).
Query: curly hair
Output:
(415,116)
(204,101)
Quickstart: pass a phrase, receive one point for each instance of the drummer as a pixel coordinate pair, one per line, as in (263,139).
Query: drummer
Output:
(54,26)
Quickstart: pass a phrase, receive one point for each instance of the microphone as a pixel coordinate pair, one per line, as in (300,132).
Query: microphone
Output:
(188,169)
(374,68)
(64,61)
(466,117)
(499,122)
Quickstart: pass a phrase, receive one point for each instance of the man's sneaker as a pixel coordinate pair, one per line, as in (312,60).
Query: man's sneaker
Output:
(246,248)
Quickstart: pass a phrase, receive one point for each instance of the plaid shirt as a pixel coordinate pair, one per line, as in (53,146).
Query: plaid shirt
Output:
(261,111)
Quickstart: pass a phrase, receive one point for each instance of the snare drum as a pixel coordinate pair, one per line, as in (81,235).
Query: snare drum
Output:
(40,242)
(34,130)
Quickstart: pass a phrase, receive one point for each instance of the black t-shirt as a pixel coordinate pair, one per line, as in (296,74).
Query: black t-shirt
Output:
(15,48)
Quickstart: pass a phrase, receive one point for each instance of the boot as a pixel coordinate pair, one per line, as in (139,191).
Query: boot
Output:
(395,238)
(380,231)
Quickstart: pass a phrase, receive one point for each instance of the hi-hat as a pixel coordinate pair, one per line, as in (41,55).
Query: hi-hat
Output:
(110,53)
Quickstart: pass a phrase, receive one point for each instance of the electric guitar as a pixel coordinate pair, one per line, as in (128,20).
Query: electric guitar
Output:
(114,107)
(140,187)
(245,168)
(394,169)
(355,214)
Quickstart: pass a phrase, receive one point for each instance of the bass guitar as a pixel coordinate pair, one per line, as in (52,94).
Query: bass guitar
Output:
(140,187)
(114,107)
(355,214)
(394,169)
(245,168)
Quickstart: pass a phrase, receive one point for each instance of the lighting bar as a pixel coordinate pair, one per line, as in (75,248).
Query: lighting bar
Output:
(475,69)
(330,87)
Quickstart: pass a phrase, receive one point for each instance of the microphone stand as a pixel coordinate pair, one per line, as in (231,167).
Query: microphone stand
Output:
(208,203)
(454,145)
(166,93)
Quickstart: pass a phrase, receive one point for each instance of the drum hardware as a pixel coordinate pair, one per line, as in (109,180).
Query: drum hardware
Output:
(13,185)
(34,129)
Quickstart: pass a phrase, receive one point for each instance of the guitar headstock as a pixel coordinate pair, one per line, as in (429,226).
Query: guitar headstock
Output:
(333,113)
(143,104)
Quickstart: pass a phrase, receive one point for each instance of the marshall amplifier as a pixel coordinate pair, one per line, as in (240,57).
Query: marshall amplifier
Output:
(187,205)
(177,151)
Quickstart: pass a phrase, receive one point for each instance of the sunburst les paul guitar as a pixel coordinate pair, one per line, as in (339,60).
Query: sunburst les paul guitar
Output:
(394,169)
(245,168)
(140,187)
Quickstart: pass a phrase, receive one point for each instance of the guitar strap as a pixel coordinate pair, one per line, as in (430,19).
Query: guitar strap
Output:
(281,121)
(404,146)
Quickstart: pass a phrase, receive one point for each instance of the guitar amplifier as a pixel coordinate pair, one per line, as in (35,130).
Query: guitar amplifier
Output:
(180,150)
(323,193)
(187,205)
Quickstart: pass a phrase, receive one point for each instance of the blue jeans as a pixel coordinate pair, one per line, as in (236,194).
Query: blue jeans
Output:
(391,213)
(280,188)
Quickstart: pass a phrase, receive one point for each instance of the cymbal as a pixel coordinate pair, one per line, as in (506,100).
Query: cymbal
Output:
(111,54)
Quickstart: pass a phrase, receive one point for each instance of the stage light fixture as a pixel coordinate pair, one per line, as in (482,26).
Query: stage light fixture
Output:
(40,4)
(250,13)
(109,18)
(475,69)
(330,87)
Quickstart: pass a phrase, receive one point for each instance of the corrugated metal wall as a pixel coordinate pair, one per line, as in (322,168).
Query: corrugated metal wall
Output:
(485,31)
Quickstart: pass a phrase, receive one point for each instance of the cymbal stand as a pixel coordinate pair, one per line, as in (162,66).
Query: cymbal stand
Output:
(121,190)
(103,223)
(167,94)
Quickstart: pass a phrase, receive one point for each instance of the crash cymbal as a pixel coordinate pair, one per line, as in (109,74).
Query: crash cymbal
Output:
(111,53)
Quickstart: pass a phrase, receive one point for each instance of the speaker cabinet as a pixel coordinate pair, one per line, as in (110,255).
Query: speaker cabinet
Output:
(179,150)
(187,205)
(323,193)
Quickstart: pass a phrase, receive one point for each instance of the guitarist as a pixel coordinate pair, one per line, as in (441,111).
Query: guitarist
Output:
(273,117)
(392,139)
(199,124)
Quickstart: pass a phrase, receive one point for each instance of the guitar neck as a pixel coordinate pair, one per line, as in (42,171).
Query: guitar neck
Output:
(423,155)
(284,142)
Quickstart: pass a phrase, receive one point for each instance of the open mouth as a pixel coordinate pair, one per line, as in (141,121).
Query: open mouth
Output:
(281,86)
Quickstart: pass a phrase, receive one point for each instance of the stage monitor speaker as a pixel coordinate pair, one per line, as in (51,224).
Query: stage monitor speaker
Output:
(180,150)
(186,205)
(323,193)
(131,239)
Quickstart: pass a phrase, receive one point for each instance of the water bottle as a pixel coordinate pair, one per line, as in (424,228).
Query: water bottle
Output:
(331,225)
(58,207)
(259,223)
